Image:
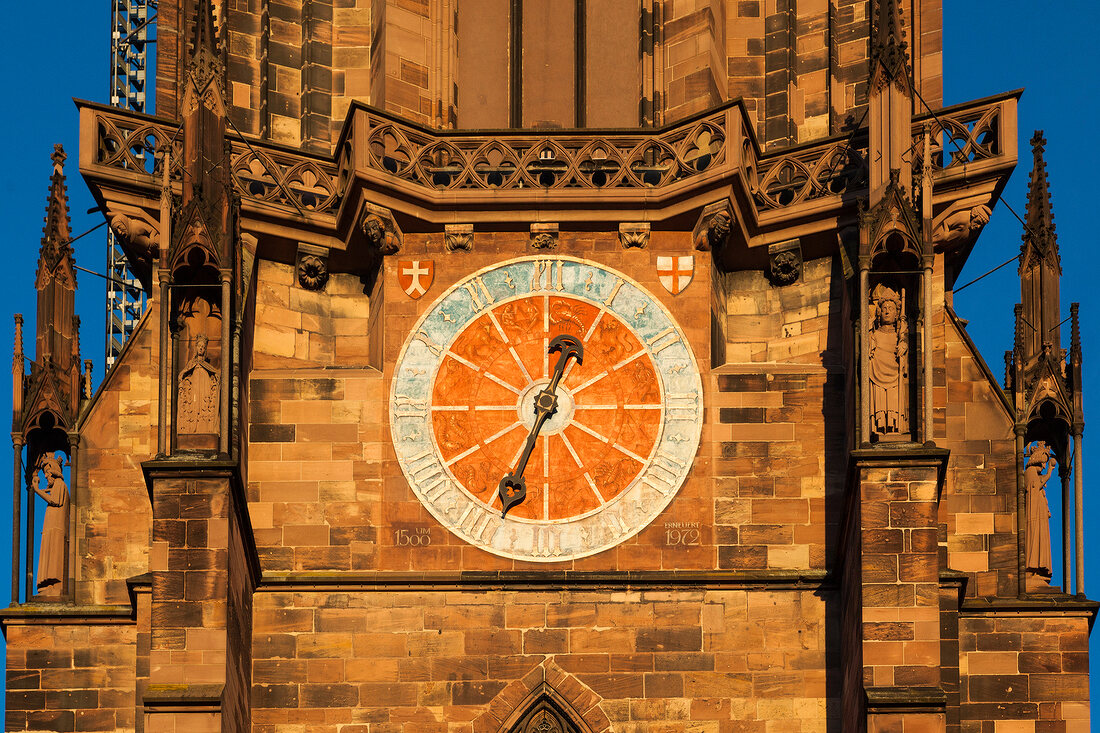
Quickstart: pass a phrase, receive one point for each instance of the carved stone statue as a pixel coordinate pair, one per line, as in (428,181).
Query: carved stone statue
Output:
(1038,468)
(961,225)
(380,238)
(888,364)
(198,393)
(55,525)
(713,237)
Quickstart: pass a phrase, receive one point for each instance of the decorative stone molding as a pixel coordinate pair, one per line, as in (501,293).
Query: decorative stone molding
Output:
(381,230)
(785,262)
(458,237)
(312,266)
(634,235)
(712,231)
(544,236)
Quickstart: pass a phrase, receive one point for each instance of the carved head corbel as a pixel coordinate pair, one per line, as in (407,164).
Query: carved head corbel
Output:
(712,231)
(138,235)
(959,225)
(380,229)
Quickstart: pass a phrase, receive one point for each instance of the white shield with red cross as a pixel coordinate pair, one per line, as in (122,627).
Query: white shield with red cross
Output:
(415,276)
(675,273)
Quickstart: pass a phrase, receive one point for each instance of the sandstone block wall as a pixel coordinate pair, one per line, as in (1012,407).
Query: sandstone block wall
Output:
(71,677)
(1028,670)
(296,65)
(681,660)
(113,512)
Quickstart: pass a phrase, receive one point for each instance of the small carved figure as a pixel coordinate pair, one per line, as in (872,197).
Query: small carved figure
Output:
(713,237)
(55,525)
(198,393)
(961,225)
(1038,468)
(312,272)
(888,364)
(379,237)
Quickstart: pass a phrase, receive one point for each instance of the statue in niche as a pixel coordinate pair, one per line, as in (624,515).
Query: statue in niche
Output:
(198,393)
(55,524)
(1038,468)
(888,364)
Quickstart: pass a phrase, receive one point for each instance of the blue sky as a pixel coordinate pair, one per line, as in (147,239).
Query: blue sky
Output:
(61,51)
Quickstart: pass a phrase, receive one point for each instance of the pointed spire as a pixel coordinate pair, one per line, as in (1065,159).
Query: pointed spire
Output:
(1074,334)
(1039,232)
(888,41)
(17,354)
(203,36)
(57,230)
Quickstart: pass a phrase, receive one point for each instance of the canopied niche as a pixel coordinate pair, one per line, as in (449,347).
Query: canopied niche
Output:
(196,325)
(48,448)
(892,335)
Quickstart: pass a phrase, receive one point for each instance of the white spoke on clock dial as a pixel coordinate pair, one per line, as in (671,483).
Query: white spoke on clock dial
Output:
(577,459)
(494,408)
(463,454)
(496,325)
(597,407)
(450,408)
(627,360)
(501,382)
(568,368)
(469,364)
(590,431)
(545,476)
(589,383)
(642,407)
(545,357)
(522,368)
(501,434)
(628,452)
(592,328)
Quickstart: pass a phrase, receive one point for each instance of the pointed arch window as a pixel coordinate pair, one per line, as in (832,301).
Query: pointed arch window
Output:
(544,711)
(545,717)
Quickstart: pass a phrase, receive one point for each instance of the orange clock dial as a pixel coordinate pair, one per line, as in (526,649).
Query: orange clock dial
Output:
(615,431)
(597,442)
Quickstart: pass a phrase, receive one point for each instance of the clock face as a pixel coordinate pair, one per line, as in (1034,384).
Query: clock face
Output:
(603,465)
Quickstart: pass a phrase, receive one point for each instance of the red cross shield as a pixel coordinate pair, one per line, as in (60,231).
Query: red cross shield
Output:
(675,273)
(415,276)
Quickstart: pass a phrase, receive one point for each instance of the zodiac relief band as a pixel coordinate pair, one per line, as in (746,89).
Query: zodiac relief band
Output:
(513,488)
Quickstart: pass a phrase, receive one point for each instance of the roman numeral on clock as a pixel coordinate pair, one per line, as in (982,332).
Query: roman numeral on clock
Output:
(479,525)
(551,269)
(405,406)
(661,341)
(681,406)
(427,341)
(479,294)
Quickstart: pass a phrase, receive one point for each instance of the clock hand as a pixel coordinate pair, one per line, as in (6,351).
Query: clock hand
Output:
(513,487)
